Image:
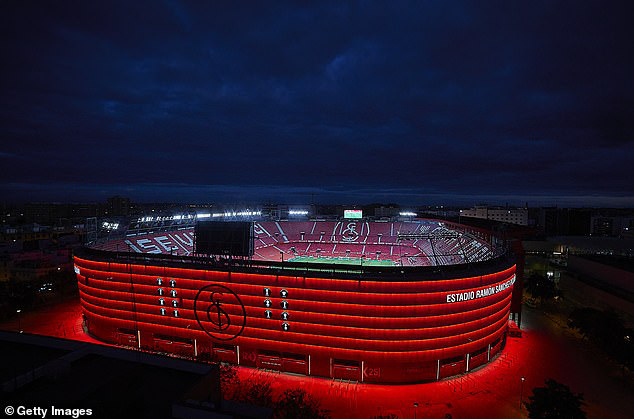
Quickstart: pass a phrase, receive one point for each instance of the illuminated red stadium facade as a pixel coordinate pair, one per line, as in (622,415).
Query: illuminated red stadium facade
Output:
(407,301)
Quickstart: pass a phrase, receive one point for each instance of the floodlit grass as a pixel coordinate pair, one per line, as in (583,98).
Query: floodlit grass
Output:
(342,261)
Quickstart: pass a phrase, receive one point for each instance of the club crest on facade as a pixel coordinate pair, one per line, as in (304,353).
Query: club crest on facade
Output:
(220,312)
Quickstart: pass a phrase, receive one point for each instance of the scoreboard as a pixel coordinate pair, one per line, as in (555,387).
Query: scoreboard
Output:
(234,238)
(353,213)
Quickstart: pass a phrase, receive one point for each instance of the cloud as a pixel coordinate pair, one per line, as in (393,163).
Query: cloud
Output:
(494,100)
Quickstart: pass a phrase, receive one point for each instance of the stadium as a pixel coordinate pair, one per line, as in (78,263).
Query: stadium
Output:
(390,301)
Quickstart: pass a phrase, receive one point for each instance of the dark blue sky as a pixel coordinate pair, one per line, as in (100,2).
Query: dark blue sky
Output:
(422,102)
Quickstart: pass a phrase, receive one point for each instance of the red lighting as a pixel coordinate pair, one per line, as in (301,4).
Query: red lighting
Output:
(405,331)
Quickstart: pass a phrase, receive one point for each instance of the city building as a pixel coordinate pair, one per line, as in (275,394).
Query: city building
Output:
(517,216)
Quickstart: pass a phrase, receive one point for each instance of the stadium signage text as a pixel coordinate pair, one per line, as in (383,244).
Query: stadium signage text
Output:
(481,293)
(372,372)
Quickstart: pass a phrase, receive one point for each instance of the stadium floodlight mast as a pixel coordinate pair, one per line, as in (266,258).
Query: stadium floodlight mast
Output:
(244,213)
(177,217)
(407,214)
(297,212)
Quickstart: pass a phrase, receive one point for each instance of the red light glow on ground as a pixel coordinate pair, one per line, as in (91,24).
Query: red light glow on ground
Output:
(492,391)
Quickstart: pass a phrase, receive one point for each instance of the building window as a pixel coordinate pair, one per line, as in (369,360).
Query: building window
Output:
(162,311)
(286,327)
(173,292)
(175,313)
(159,281)
(172,283)
(160,291)
(162,301)
(174,303)
(284,315)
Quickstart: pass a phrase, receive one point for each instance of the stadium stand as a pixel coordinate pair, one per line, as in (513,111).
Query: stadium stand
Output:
(415,243)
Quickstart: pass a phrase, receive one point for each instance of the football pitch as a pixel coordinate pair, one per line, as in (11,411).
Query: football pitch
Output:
(342,261)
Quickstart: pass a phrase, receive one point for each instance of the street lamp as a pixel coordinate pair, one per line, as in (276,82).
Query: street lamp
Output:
(415,409)
(19,311)
(521,389)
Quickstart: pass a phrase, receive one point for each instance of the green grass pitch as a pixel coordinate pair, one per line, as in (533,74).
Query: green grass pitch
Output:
(342,261)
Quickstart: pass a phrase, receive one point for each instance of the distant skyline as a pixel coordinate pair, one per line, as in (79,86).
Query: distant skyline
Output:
(199,194)
(414,103)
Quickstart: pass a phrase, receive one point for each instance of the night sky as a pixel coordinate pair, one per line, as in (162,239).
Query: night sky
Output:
(444,102)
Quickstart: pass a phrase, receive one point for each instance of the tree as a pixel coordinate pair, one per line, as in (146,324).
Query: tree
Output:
(259,394)
(229,381)
(541,287)
(607,330)
(555,400)
(586,320)
(296,403)
(605,327)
